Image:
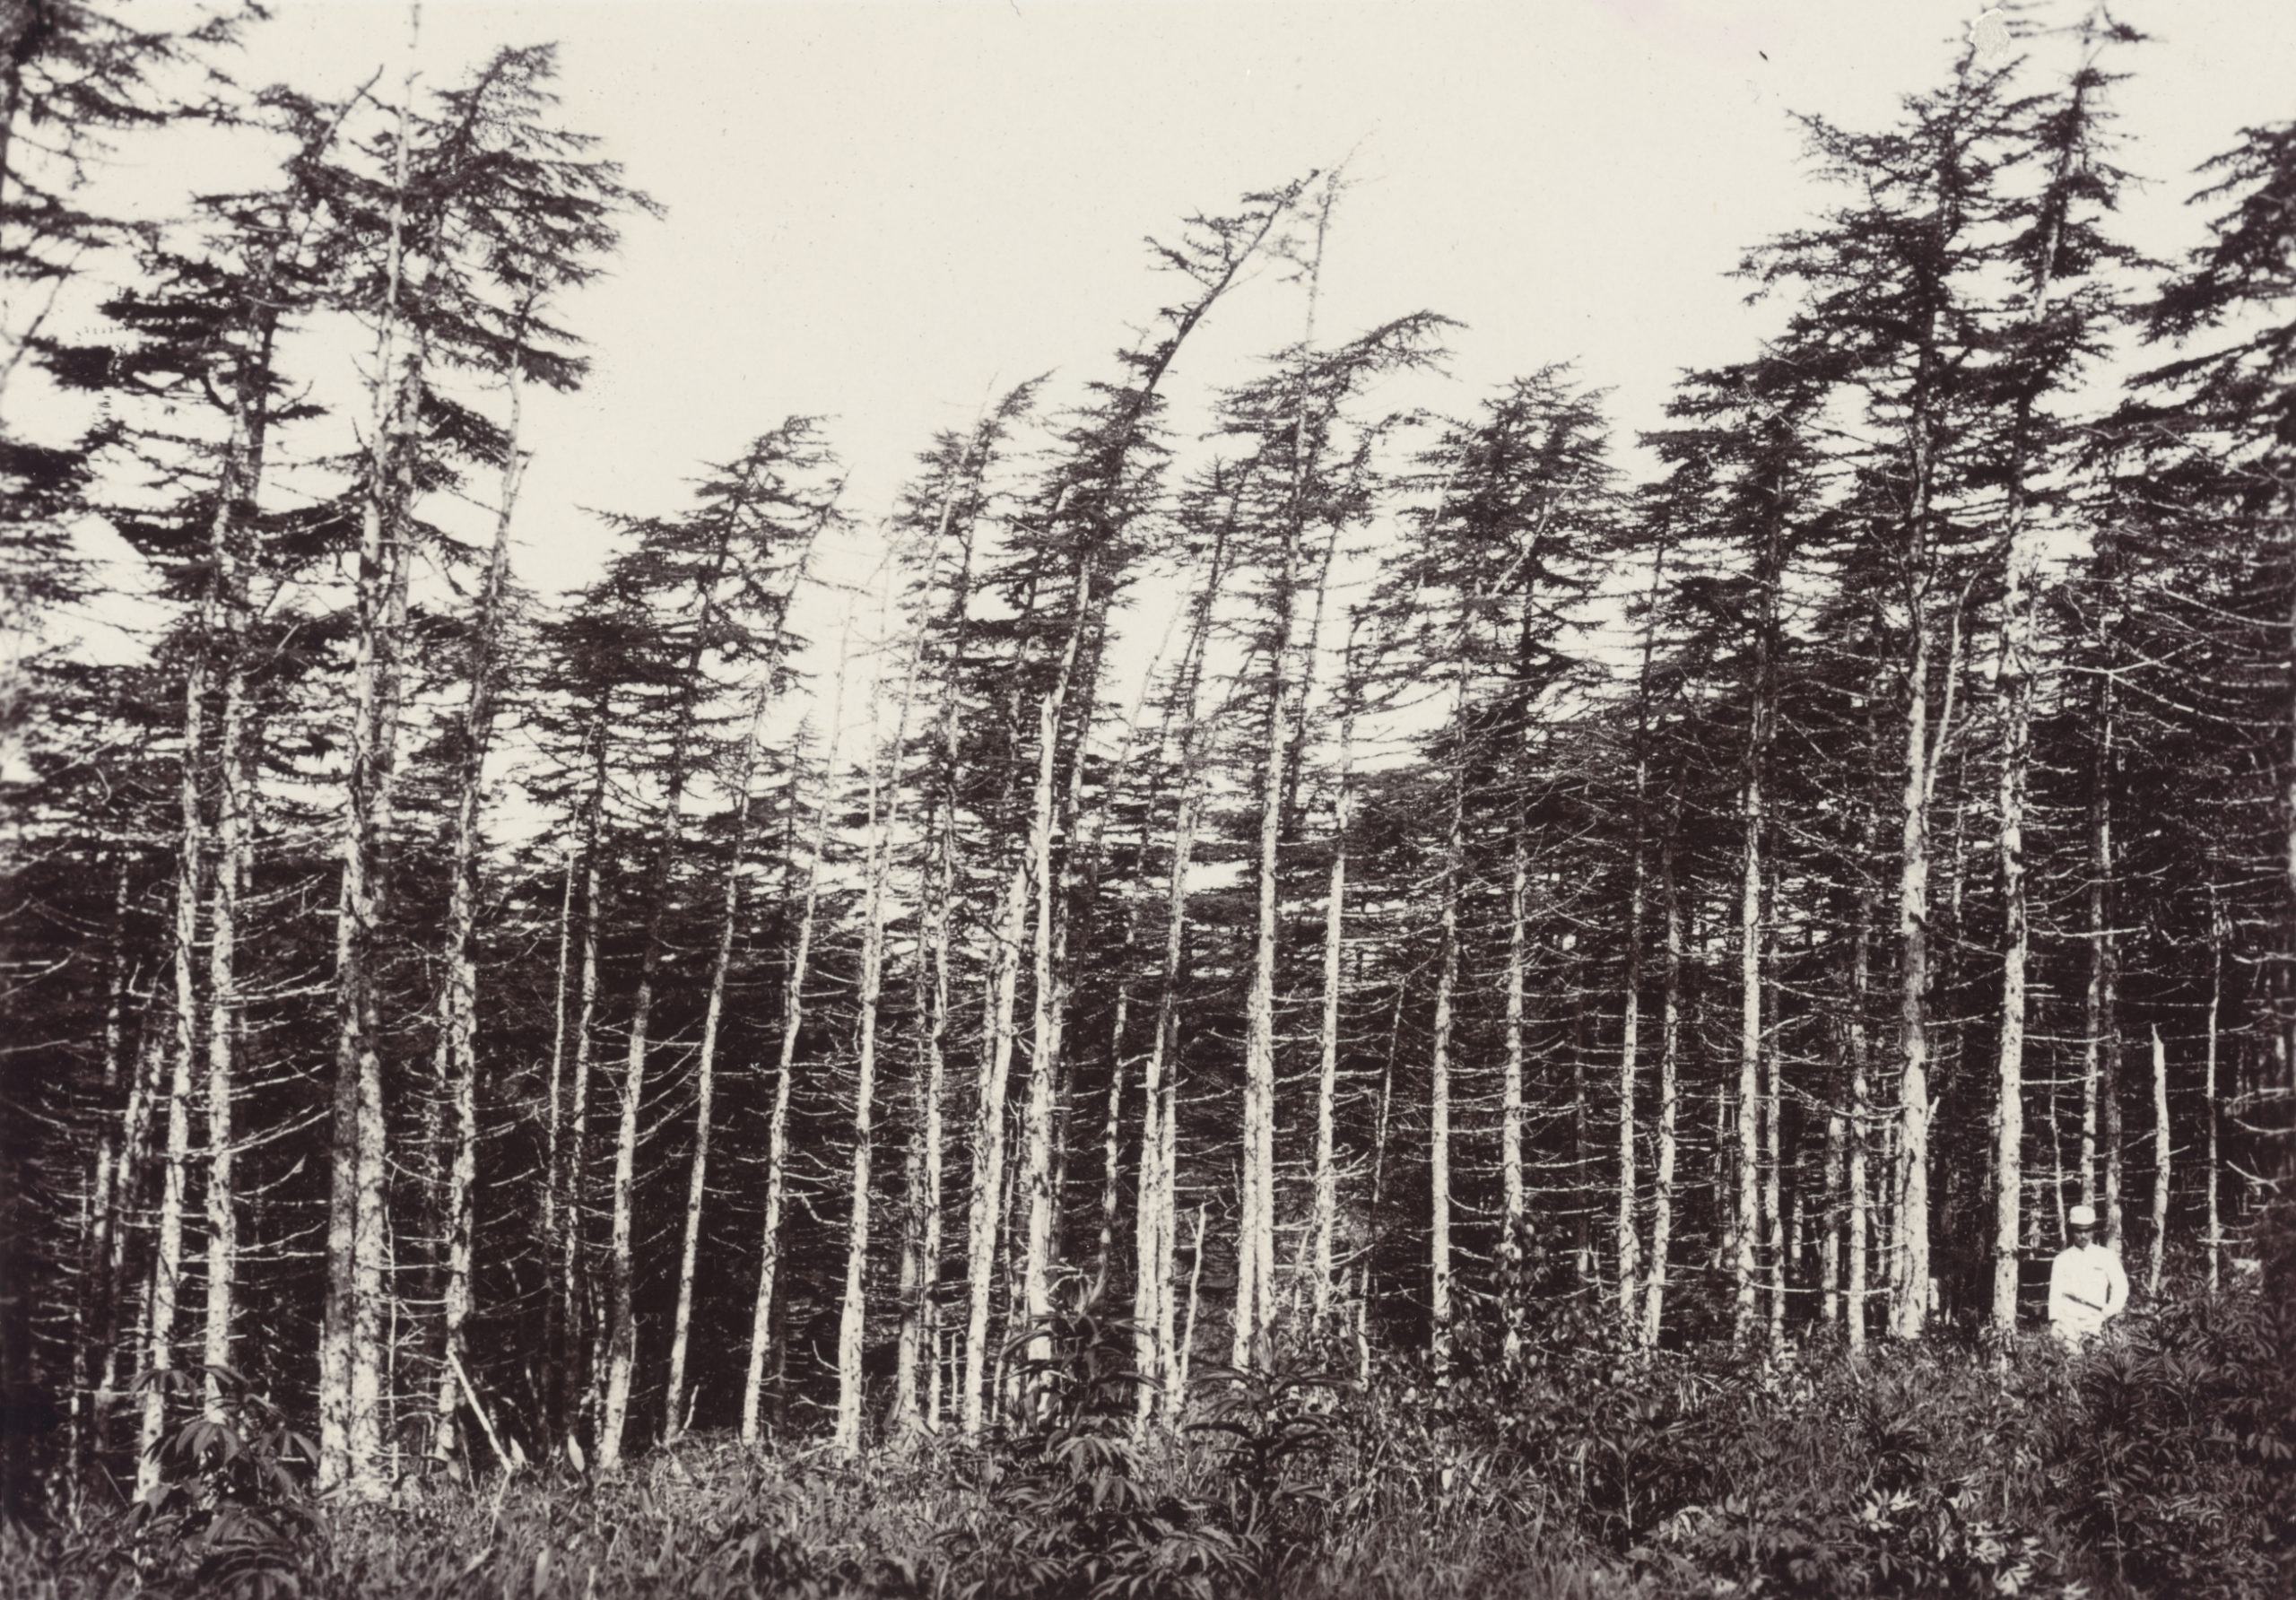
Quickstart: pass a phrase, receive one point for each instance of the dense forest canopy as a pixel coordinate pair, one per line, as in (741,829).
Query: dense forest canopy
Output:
(1328,872)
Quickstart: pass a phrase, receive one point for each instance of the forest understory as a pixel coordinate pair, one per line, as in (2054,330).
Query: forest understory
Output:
(1572,1465)
(1283,979)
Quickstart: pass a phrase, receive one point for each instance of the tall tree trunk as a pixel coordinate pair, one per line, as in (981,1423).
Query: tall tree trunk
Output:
(1625,1231)
(572,1175)
(1773,1155)
(884,822)
(457,1063)
(1327,1170)
(94,1307)
(351,1344)
(988,1184)
(1044,1064)
(917,1405)
(1156,1209)
(1447,983)
(1746,1216)
(167,1263)
(2217,931)
(777,1138)
(705,1094)
(1511,1075)
(1256,1208)
(2160,1241)
(1861,1105)
(1910,1249)
(1661,1184)
(621,1326)
(2016,689)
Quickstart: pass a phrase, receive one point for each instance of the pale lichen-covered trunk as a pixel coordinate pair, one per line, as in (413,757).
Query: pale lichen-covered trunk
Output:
(2214,1172)
(1255,1309)
(457,1063)
(167,1263)
(1773,1165)
(1326,1168)
(2160,1156)
(705,1091)
(1661,1184)
(989,1185)
(2016,687)
(622,1324)
(1909,1256)
(1511,1075)
(94,1307)
(351,1344)
(570,1176)
(1746,1216)
(1156,1214)
(1626,1233)
(883,825)
(1439,1107)
(1036,1200)
(916,1394)
(776,1136)
(1861,1113)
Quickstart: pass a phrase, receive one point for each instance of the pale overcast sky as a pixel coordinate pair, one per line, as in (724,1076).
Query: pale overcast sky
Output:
(879,210)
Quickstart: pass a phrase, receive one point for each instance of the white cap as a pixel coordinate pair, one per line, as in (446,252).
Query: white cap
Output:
(2081,1216)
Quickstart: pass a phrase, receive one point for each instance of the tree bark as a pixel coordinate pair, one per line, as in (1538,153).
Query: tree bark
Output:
(351,1344)
(884,822)
(1438,1111)
(2160,1155)
(1661,1184)
(777,1138)
(705,1094)
(457,1065)
(1326,1168)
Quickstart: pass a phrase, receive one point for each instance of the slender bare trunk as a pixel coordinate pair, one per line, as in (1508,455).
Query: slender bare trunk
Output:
(1773,1163)
(1746,1216)
(1255,1210)
(2160,1241)
(1910,1249)
(351,1344)
(1156,1209)
(705,1093)
(917,1404)
(1439,1143)
(1510,1075)
(2217,930)
(1326,1170)
(1626,1233)
(1044,1064)
(1661,1184)
(776,1136)
(574,1172)
(2016,680)
(167,1265)
(988,1150)
(1861,1110)
(457,1065)
(884,822)
(94,1309)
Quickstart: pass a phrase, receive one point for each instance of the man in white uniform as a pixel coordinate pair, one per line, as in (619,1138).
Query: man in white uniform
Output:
(2086,1285)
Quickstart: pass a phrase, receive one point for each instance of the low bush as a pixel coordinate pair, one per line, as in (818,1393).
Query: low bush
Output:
(1546,1459)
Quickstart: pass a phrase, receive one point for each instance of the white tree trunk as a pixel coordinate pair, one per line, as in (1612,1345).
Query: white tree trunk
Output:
(777,1138)
(705,1093)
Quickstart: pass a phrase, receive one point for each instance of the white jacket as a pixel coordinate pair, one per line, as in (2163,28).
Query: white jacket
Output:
(2086,1286)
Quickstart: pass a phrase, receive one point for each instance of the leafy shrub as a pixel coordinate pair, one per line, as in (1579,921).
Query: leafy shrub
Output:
(1069,1509)
(230,1513)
